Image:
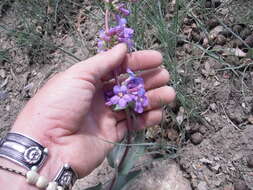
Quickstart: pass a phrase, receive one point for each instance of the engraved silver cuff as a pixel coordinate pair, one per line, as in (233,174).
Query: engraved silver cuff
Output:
(23,150)
(66,177)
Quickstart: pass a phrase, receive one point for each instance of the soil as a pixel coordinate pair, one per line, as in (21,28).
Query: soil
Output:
(217,149)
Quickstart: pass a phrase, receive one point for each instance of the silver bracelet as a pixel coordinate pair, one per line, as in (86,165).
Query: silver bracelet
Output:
(23,150)
(66,177)
(30,154)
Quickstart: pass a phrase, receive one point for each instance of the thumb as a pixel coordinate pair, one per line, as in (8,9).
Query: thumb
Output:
(101,64)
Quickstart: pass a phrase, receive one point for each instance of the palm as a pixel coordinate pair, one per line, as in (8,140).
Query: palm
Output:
(69,115)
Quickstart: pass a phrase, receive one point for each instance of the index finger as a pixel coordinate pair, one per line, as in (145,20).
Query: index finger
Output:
(139,60)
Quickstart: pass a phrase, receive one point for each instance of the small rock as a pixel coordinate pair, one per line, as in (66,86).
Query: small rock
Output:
(172,134)
(249,40)
(187,48)
(232,60)
(216,83)
(197,80)
(245,33)
(236,43)
(196,138)
(7,108)
(213,106)
(228,187)
(202,186)
(240,185)
(250,161)
(196,37)
(211,23)
(226,33)
(202,130)
(3,95)
(216,168)
(250,119)
(237,28)
(214,32)
(220,40)
(205,161)
(2,73)
(195,128)
(216,3)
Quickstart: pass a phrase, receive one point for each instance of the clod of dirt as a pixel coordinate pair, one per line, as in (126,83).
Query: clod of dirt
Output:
(3,95)
(245,33)
(250,161)
(202,186)
(2,73)
(236,43)
(240,185)
(232,60)
(213,106)
(172,134)
(237,28)
(221,40)
(250,119)
(249,40)
(202,130)
(214,32)
(196,138)
(211,23)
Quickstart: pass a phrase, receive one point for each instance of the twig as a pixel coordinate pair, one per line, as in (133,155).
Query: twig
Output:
(229,120)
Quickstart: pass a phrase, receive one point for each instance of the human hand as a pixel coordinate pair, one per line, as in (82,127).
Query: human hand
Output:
(68,115)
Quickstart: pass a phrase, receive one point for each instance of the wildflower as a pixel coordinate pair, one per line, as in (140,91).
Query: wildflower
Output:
(117,34)
(121,97)
(130,92)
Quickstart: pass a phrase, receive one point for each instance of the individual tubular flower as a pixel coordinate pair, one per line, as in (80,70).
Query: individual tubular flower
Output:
(131,92)
(121,8)
(118,34)
(121,97)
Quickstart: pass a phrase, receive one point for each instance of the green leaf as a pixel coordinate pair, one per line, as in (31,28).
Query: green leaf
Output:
(115,155)
(133,154)
(97,187)
(123,180)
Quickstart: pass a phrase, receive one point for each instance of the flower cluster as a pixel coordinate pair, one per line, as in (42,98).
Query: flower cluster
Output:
(131,92)
(119,33)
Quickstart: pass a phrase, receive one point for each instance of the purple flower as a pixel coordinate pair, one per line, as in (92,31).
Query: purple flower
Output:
(117,34)
(121,97)
(121,8)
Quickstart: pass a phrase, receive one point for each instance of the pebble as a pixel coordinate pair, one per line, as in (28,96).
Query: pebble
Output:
(213,106)
(211,23)
(172,134)
(196,138)
(206,161)
(3,95)
(250,161)
(202,130)
(221,40)
(245,33)
(237,28)
(202,186)
(2,73)
(240,185)
(249,40)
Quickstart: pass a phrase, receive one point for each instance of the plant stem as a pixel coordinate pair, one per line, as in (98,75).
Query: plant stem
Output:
(107,20)
(128,138)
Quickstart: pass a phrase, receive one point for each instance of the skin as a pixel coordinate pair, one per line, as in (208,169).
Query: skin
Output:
(68,115)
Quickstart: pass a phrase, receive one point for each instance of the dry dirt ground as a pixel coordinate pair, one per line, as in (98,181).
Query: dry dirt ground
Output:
(217,153)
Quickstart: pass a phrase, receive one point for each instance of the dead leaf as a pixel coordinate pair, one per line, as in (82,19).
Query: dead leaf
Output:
(234,51)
